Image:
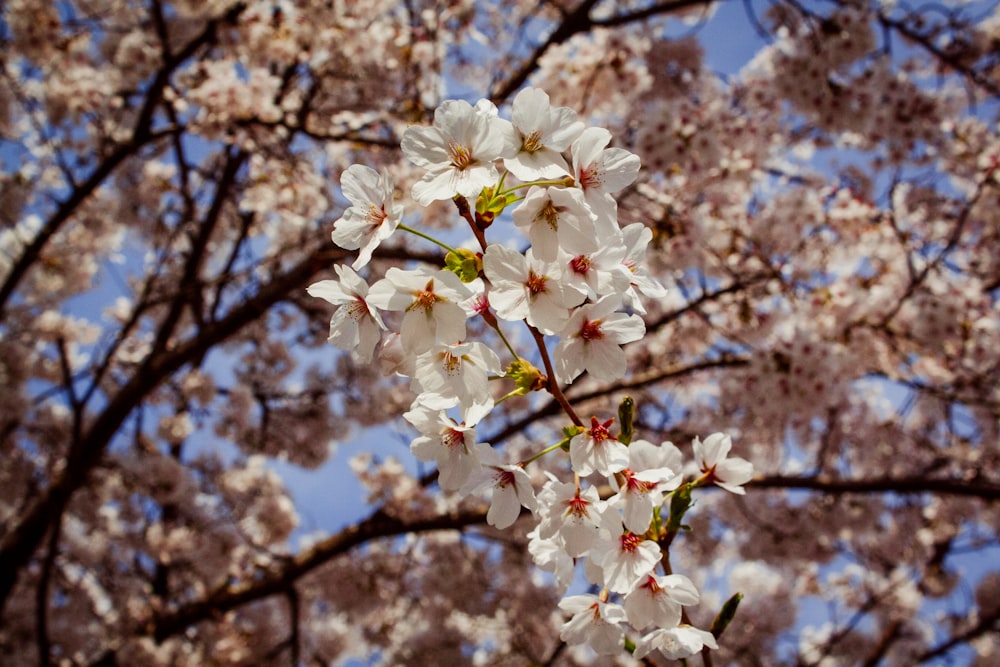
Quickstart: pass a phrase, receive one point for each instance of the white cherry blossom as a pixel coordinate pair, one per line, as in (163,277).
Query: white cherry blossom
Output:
(728,473)
(601,272)
(683,641)
(595,622)
(452,374)
(537,136)
(657,600)
(452,446)
(355,326)
(431,303)
(510,484)
(601,172)
(372,216)
(651,472)
(459,151)
(595,449)
(592,340)
(524,288)
(636,238)
(571,514)
(551,555)
(557,218)
(623,557)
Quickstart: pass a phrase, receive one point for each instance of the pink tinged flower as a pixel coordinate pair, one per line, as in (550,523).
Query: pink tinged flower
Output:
(479,302)
(599,273)
(651,472)
(449,444)
(571,514)
(594,622)
(597,450)
(431,303)
(683,641)
(728,473)
(623,556)
(537,136)
(636,238)
(554,219)
(592,341)
(355,326)
(523,288)
(657,600)
(456,374)
(510,484)
(600,172)
(458,152)
(372,217)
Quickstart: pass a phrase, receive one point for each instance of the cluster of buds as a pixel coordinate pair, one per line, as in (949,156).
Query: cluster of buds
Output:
(581,281)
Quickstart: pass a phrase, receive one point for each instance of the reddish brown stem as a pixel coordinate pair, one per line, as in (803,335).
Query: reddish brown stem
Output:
(553,383)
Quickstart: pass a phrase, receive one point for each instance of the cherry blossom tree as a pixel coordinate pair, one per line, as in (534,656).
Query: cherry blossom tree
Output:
(647,361)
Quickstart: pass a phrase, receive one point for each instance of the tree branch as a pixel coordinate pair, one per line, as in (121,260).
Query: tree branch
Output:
(902,485)
(17,546)
(142,134)
(378,525)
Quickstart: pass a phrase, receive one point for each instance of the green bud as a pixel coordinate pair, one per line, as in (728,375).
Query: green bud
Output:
(464,263)
(489,204)
(626,416)
(483,200)
(680,502)
(726,615)
(526,377)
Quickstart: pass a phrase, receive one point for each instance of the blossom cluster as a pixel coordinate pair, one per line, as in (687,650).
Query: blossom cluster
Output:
(579,281)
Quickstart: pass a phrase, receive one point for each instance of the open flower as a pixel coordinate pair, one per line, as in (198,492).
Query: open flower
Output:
(728,473)
(594,622)
(657,600)
(456,374)
(355,326)
(601,272)
(431,302)
(371,217)
(510,484)
(523,288)
(570,513)
(537,135)
(550,554)
(651,472)
(554,218)
(592,341)
(601,172)
(675,643)
(636,237)
(596,449)
(624,557)
(449,444)
(458,152)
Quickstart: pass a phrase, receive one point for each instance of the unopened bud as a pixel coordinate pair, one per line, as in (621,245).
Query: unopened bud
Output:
(626,417)
(526,377)
(464,263)
(726,615)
